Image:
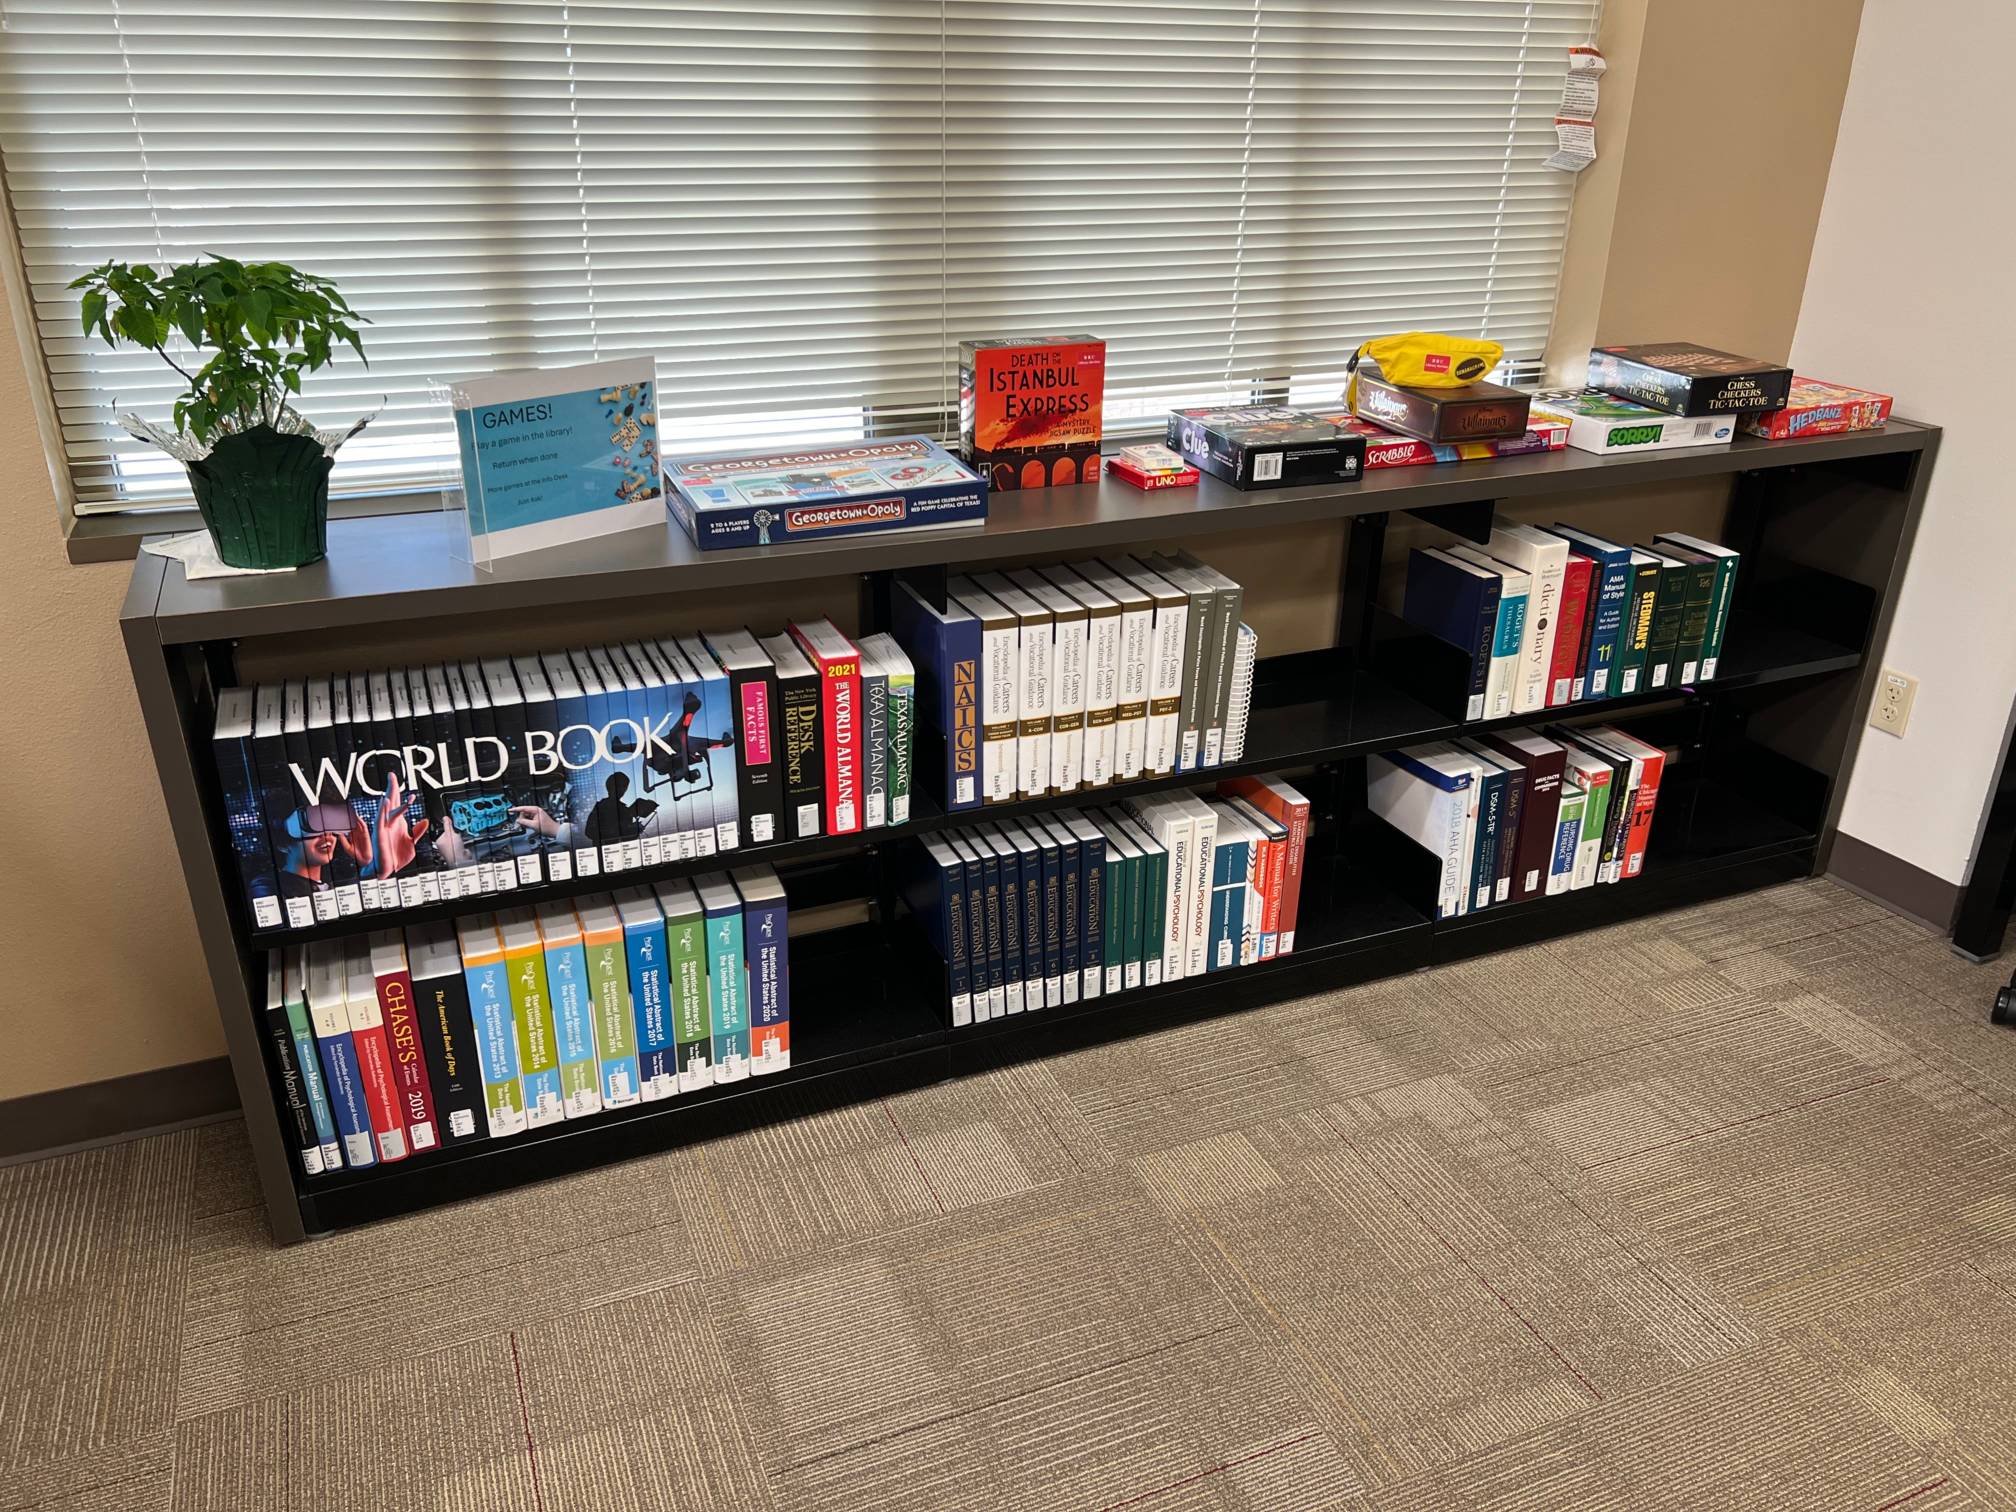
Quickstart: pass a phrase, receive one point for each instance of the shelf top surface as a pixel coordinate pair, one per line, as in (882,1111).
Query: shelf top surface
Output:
(405,567)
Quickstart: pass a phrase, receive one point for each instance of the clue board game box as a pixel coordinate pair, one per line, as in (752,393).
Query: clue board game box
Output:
(1267,446)
(849,488)
(1684,379)
(1814,408)
(1385,448)
(1031,409)
(1473,412)
(1600,422)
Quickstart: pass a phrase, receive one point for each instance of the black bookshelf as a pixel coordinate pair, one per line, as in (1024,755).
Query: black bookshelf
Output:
(1824,525)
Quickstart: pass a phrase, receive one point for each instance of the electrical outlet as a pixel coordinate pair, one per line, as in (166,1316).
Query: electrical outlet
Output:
(1891,711)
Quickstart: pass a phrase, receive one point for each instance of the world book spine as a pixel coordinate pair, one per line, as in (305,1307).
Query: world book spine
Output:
(628,700)
(645,960)
(340,870)
(766,944)
(413,1092)
(532,1017)
(374,1057)
(618,1080)
(727,995)
(660,834)
(945,647)
(436,877)
(447,1034)
(686,975)
(314,1082)
(303,867)
(508,705)
(608,784)
(714,746)
(875,741)
(486,978)
(325,971)
(454,880)
(290,1086)
(681,756)
(486,874)
(798,723)
(544,789)
(269,756)
(244,812)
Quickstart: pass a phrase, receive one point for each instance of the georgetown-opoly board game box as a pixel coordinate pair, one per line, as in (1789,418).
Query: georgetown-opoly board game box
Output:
(1684,379)
(1599,422)
(850,488)
(1267,446)
(1385,448)
(1031,409)
(1814,408)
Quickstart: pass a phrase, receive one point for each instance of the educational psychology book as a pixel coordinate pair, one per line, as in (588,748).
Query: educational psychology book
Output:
(1102,674)
(727,972)
(448,1038)
(686,970)
(944,644)
(765,928)
(1035,683)
(647,962)
(1031,409)
(1132,655)
(487,977)
(1281,802)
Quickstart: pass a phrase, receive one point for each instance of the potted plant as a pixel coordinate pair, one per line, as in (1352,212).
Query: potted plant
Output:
(259,470)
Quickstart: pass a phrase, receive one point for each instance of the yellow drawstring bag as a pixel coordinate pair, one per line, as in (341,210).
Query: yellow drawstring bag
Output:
(1425,359)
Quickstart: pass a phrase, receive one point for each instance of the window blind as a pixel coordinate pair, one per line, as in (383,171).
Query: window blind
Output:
(799,207)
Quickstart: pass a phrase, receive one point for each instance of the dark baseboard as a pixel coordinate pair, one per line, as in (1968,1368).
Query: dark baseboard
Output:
(1897,885)
(49,1123)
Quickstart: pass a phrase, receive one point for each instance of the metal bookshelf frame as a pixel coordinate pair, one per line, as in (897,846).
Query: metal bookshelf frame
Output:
(1825,526)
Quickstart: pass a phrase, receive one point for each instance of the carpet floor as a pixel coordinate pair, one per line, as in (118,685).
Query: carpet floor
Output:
(1712,1210)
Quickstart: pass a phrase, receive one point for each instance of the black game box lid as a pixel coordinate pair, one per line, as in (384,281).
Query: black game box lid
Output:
(1685,378)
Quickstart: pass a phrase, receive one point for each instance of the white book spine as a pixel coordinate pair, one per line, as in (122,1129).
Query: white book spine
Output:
(1032,732)
(1176,835)
(1137,635)
(1001,700)
(1067,705)
(1102,696)
(1203,844)
(1165,686)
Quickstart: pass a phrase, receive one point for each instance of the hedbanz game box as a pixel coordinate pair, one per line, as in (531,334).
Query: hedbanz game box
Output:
(1684,379)
(1814,408)
(1031,409)
(851,488)
(1267,446)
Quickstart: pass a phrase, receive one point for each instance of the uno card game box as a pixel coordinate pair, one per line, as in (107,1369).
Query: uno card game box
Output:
(1473,412)
(1684,379)
(1814,408)
(1384,448)
(1267,446)
(1031,409)
(770,498)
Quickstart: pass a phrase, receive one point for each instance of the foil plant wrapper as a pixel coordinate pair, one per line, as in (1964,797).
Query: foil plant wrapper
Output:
(186,448)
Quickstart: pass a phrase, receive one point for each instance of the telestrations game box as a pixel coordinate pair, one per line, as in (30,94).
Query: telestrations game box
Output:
(1384,448)
(1267,446)
(1031,408)
(1814,408)
(1684,379)
(850,488)
(1474,412)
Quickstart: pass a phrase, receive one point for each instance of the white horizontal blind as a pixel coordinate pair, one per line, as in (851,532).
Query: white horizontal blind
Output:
(800,207)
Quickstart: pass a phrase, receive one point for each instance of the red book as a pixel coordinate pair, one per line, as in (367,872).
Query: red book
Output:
(1644,798)
(374,1059)
(1567,667)
(1290,810)
(410,1087)
(838,666)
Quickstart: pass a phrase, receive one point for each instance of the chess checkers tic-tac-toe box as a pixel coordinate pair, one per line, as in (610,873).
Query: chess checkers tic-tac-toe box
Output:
(1031,409)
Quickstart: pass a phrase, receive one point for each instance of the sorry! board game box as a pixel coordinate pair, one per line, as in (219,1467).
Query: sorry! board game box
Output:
(1031,408)
(851,488)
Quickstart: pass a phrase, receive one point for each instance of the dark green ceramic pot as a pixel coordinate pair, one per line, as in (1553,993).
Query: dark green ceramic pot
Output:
(265,497)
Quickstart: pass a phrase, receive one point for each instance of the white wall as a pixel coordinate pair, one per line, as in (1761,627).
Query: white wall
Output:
(1909,293)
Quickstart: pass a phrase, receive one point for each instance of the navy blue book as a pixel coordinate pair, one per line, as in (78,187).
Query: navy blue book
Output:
(1030,931)
(972,879)
(1053,910)
(992,926)
(1456,602)
(1609,605)
(244,807)
(933,880)
(1490,820)
(1091,901)
(1010,863)
(945,646)
(1070,908)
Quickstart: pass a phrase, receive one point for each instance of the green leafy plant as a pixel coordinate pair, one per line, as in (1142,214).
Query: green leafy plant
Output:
(263,325)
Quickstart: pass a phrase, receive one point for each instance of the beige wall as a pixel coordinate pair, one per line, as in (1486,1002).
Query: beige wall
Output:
(1666,242)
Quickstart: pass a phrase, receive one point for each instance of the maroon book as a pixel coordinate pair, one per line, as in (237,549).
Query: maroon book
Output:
(1544,760)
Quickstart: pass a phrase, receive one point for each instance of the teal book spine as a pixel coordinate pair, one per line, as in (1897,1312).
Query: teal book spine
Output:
(727,990)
